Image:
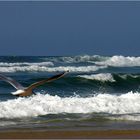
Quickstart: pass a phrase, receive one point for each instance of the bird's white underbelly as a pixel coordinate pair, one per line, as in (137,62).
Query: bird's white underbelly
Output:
(18,92)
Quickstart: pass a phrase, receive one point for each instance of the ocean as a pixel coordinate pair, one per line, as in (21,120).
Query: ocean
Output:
(98,93)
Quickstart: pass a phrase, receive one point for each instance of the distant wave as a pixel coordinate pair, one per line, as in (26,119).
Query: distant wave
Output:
(115,61)
(100,77)
(4,64)
(76,59)
(36,68)
(127,76)
(99,62)
(121,61)
(108,77)
(36,105)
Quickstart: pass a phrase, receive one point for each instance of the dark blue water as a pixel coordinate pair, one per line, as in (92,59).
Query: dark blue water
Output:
(98,92)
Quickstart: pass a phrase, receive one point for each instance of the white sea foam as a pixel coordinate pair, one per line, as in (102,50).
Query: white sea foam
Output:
(116,61)
(77,59)
(125,76)
(100,77)
(4,64)
(36,68)
(36,105)
(7,123)
(121,61)
(85,58)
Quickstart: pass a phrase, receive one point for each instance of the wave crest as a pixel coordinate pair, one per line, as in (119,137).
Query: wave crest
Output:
(2,64)
(115,61)
(77,59)
(46,104)
(121,61)
(36,68)
(100,77)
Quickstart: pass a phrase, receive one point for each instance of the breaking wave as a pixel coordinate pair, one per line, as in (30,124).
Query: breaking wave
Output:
(121,61)
(100,77)
(76,59)
(95,62)
(37,105)
(115,61)
(104,77)
(4,64)
(37,68)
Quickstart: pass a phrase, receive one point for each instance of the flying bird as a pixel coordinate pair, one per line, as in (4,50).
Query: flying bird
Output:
(22,91)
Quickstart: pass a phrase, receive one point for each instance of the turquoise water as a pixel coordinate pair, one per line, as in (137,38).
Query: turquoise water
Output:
(99,92)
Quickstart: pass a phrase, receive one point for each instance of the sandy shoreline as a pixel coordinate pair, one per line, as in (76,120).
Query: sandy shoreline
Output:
(68,134)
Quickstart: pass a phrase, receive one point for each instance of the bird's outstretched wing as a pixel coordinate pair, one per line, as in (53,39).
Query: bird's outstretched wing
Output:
(11,81)
(34,85)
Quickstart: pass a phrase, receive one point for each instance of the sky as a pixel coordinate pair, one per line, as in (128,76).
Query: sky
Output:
(69,28)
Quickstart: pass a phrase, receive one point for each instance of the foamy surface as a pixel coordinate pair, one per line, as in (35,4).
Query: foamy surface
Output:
(126,105)
(100,77)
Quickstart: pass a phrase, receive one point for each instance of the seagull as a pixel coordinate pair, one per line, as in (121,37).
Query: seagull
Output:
(22,91)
